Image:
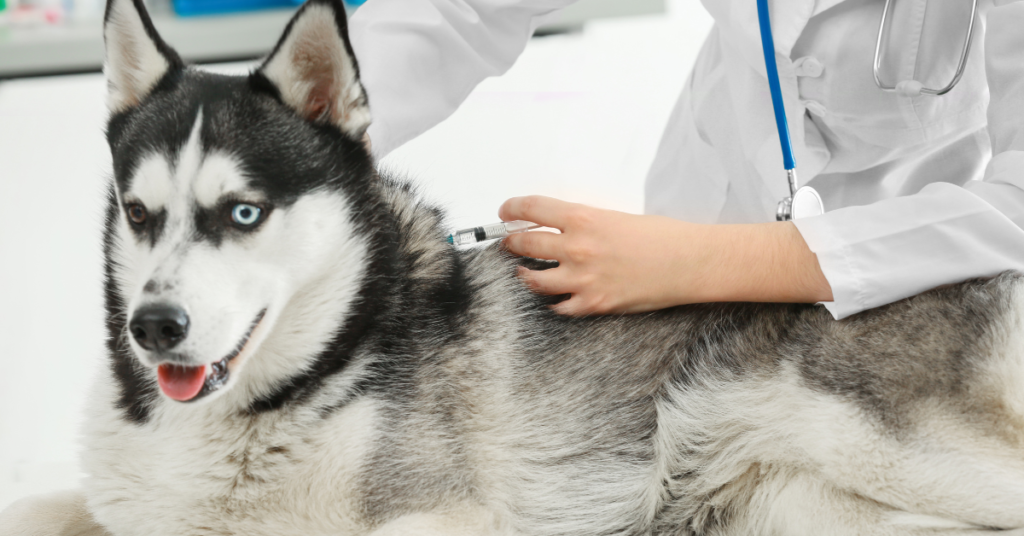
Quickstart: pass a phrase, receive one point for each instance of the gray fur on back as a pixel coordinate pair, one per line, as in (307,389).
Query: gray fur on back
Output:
(556,415)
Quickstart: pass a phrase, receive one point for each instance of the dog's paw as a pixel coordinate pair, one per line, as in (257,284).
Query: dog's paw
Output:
(62,513)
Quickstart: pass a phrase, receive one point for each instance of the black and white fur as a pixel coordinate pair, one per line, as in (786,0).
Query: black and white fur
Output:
(386,383)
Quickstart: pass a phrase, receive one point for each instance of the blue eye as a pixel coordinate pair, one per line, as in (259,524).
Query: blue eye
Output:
(244,214)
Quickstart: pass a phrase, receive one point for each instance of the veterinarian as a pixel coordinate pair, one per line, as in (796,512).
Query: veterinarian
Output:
(920,190)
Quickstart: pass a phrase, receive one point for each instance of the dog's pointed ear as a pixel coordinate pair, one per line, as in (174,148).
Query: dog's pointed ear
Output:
(136,57)
(314,69)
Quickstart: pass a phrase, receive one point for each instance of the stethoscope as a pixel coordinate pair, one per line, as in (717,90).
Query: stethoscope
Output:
(804,202)
(913,88)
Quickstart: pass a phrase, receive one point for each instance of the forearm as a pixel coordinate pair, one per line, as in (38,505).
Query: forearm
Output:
(612,262)
(767,262)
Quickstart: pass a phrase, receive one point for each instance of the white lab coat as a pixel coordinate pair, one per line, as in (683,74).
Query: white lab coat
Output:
(920,191)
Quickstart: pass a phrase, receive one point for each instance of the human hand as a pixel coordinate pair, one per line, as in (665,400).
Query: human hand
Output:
(614,262)
(609,261)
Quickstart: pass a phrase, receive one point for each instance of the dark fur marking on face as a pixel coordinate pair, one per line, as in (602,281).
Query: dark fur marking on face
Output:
(209,224)
(150,230)
(137,391)
(159,124)
(214,224)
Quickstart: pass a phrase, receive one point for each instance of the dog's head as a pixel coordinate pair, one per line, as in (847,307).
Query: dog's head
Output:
(232,201)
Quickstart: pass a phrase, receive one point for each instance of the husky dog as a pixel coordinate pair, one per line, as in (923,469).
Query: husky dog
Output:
(295,350)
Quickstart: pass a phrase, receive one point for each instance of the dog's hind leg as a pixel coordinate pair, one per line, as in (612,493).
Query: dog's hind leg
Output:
(61,513)
(801,503)
(782,455)
(942,470)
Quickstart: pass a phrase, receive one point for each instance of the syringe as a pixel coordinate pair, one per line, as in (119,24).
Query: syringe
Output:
(493,231)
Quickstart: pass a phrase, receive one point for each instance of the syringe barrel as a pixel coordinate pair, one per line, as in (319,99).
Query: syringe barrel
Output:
(465,237)
(495,230)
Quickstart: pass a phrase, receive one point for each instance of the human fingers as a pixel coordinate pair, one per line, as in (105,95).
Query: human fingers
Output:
(546,211)
(577,305)
(549,282)
(536,244)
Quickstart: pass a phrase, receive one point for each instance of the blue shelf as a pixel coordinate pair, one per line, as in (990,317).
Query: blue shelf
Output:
(191,8)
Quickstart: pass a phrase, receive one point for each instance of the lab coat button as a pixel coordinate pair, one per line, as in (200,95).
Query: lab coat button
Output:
(815,108)
(808,66)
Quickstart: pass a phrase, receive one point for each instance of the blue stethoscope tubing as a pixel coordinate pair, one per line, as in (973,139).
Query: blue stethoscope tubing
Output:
(768,45)
(802,202)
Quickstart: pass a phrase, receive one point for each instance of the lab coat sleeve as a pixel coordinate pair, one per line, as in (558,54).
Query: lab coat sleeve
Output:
(876,254)
(419,59)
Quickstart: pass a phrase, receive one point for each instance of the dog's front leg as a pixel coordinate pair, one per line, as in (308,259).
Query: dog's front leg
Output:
(62,513)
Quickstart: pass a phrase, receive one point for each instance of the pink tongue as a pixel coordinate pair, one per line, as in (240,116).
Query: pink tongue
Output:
(179,382)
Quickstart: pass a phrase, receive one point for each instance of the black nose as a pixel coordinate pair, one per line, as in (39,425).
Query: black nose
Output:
(159,327)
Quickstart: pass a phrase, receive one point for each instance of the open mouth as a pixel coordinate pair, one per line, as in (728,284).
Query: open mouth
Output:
(187,383)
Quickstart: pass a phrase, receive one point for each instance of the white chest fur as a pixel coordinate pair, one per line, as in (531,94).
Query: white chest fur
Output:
(200,470)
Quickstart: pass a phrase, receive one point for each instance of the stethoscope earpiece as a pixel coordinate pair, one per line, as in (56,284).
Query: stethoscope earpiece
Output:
(910,88)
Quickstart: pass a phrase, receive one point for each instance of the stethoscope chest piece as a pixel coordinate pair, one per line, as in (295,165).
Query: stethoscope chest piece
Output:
(807,203)
(803,204)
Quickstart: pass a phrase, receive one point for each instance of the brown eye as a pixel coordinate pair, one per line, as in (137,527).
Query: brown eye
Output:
(137,213)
